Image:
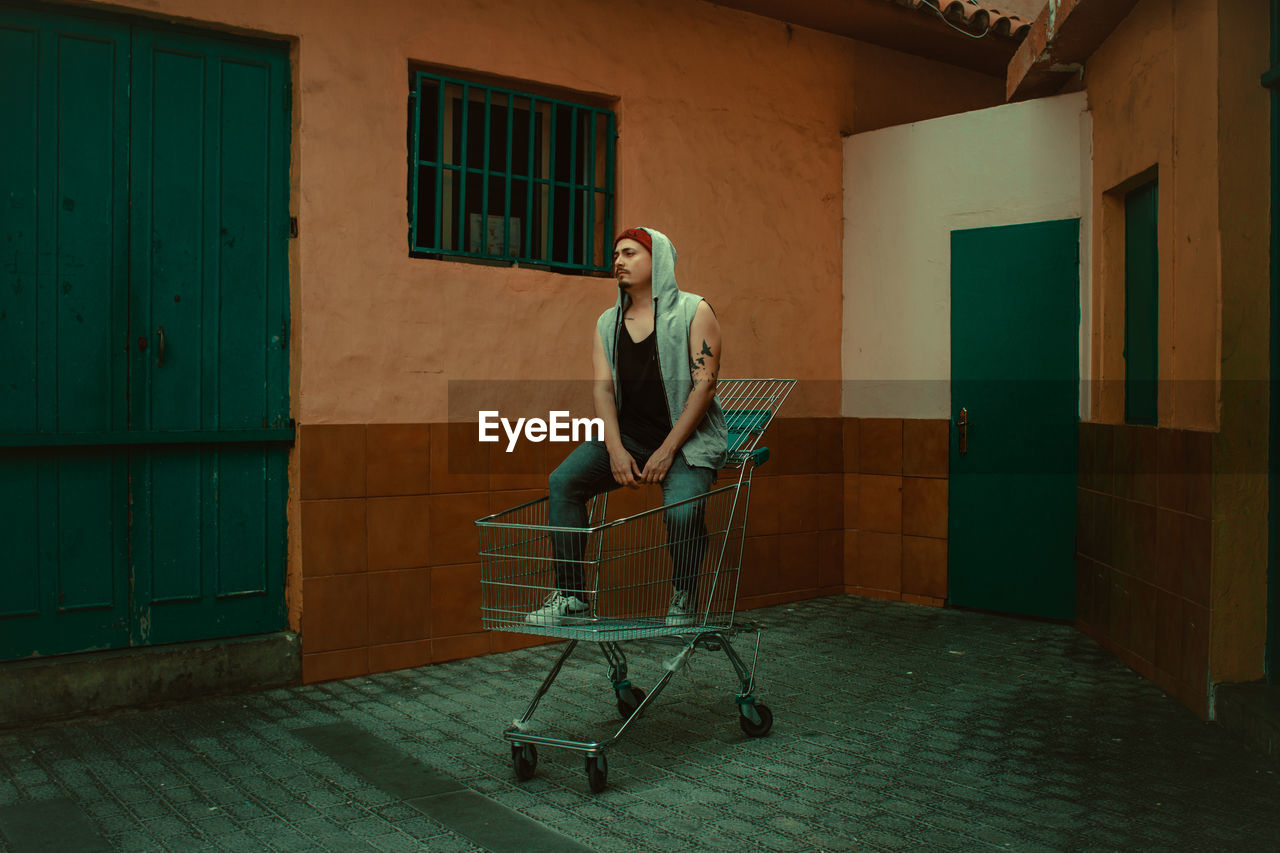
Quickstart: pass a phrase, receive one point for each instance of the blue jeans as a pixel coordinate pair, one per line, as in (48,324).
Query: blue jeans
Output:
(585,473)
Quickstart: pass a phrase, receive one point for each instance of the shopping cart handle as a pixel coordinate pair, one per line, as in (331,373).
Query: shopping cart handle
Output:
(758,457)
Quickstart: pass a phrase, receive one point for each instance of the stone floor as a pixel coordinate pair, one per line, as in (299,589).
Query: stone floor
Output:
(895,727)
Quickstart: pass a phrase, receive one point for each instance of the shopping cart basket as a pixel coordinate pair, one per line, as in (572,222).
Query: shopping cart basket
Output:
(631,568)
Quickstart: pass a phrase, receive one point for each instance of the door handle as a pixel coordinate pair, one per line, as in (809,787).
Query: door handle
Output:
(160,357)
(963,423)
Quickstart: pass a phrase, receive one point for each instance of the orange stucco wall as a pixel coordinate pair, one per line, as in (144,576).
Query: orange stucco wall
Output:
(1240,495)
(1174,90)
(1153,94)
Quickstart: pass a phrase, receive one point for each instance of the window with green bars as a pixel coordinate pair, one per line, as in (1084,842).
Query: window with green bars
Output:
(502,175)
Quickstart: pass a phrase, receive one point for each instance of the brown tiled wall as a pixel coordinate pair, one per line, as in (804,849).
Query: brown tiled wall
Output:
(1143,542)
(389,571)
(895,509)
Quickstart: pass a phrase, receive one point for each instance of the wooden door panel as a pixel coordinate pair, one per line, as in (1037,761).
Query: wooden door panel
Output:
(63,291)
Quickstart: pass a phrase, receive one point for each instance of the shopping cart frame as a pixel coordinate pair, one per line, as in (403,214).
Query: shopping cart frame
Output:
(749,406)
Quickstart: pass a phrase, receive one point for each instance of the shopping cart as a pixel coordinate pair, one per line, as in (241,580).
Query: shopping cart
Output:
(629,565)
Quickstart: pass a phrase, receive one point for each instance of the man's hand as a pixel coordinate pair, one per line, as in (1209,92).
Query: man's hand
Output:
(625,470)
(655,470)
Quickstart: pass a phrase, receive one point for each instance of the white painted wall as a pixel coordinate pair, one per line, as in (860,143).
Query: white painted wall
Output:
(905,189)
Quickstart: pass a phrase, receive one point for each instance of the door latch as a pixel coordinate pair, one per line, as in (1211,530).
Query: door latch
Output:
(963,423)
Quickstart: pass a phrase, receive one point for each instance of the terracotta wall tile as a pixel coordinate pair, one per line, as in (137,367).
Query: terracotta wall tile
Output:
(329,666)
(464,646)
(525,467)
(332,461)
(1143,441)
(882,594)
(1124,460)
(798,562)
(398,532)
(1195,647)
(1169,630)
(1103,474)
(1184,479)
(760,566)
(1143,608)
(831,558)
(451,523)
(455,599)
(829,443)
(399,656)
(799,504)
(1104,528)
(399,606)
(830,501)
(924,507)
(459,462)
(851,433)
(333,537)
(851,577)
(879,560)
(1102,596)
(793,445)
(398,459)
(554,454)
(1195,559)
(1123,543)
(851,486)
(1199,473)
(1142,535)
(924,566)
(1169,545)
(925,447)
(503,501)
(880,446)
(503,641)
(1120,623)
(1084,523)
(763,510)
(880,503)
(335,613)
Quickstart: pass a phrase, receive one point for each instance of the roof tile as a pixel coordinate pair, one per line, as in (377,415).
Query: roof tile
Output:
(976,18)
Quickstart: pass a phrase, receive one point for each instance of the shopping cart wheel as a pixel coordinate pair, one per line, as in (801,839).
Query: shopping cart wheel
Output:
(751,727)
(628,700)
(597,773)
(524,757)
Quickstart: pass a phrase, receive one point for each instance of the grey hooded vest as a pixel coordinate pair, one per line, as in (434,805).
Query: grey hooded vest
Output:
(673,311)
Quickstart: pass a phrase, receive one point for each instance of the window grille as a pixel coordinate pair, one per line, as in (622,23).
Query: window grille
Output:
(501,175)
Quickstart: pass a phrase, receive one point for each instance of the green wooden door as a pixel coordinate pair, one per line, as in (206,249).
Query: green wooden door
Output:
(144,186)
(1015,313)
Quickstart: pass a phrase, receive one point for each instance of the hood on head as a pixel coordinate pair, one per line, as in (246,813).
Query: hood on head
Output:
(664,270)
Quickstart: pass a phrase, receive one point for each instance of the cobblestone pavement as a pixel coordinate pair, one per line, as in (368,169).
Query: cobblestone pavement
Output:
(895,727)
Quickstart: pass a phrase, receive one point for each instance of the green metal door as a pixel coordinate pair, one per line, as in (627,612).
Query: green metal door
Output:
(144,320)
(1015,313)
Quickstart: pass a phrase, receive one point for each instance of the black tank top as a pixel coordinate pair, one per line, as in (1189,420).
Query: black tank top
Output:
(643,411)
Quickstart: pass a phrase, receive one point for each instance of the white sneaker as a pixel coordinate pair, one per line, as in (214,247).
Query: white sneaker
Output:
(681,610)
(558,609)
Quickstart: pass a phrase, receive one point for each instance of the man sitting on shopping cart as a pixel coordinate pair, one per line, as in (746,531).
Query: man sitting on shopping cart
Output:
(656,358)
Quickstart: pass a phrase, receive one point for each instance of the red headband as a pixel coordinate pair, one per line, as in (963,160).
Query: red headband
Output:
(639,235)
